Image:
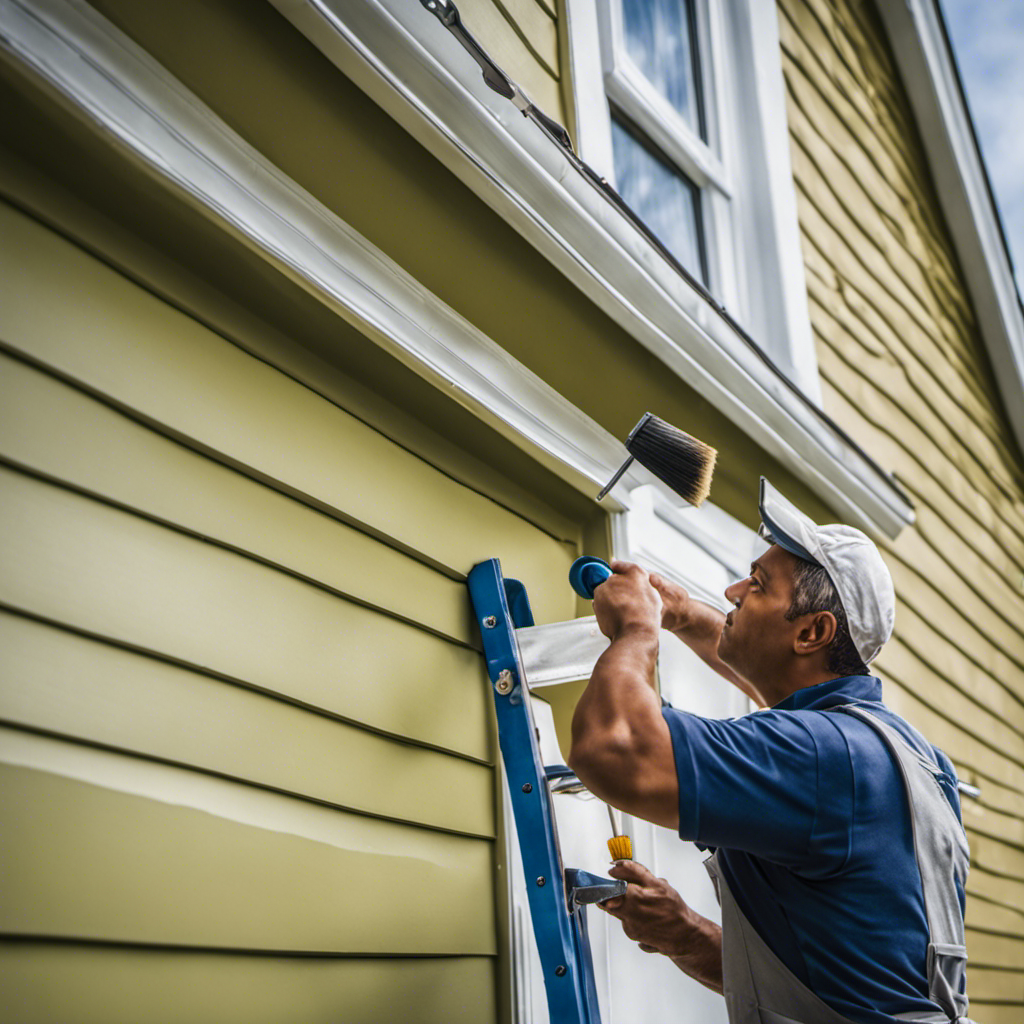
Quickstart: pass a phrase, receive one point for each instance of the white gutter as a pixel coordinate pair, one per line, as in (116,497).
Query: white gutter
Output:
(921,50)
(407,62)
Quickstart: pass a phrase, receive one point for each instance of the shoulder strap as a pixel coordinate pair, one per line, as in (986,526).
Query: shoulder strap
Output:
(942,858)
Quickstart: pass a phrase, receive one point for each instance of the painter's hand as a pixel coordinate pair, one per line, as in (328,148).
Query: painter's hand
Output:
(652,912)
(627,601)
(675,608)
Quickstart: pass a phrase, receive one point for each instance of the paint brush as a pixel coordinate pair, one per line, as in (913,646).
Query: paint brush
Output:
(676,458)
(620,846)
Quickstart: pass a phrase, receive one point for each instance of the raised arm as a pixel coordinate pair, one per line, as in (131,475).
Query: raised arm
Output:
(699,626)
(621,745)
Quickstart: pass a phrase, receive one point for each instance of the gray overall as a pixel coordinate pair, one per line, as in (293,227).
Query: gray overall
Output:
(760,989)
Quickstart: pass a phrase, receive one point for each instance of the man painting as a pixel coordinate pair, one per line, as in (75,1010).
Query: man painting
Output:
(840,860)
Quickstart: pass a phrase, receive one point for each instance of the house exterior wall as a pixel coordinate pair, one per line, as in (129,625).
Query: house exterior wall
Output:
(247,762)
(904,371)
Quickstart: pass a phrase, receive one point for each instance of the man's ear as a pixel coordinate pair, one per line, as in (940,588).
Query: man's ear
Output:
(816,633)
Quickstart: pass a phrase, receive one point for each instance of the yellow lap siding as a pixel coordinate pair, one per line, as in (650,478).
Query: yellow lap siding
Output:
(128,463)
(45,984)
(75,561)
(495,22)
(132,851)
(79,317)
(85,689)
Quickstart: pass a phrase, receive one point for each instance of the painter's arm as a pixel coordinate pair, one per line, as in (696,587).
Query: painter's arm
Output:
(699,626)
(621,747)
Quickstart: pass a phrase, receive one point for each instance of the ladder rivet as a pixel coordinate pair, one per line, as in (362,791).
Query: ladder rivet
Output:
(542,881)
(560,970)
(527,788)
(504,682)
(490,622)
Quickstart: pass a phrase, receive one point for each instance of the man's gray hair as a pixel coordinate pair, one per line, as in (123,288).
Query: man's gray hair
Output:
(813,591)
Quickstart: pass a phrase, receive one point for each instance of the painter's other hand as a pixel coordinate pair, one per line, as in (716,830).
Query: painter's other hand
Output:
(626,601)
(652,913)
(675,603)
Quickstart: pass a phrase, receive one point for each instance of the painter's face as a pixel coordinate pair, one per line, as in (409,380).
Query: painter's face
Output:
(757,637)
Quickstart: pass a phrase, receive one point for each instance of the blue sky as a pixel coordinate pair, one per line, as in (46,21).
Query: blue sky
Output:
(988,38)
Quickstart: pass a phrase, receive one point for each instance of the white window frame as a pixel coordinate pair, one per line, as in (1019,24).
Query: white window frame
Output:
(748,204)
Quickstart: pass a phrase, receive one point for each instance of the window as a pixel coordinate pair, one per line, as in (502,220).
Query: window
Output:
(681,105)
(658,66)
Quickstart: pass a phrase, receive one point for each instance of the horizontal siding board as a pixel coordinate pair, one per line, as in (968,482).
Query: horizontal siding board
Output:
(530,21)
(996,856)
(522,38)
(1007,828)
(53,984)
(881,273)
(946,733)
(984,983)
(996,797)
(855,332)
(898,320)
(996,1013)
(63,683)
(886,250)
(932,649)
(988,950)
(891,172)
(809,49)
(954,448)
(72,560)
(111,847)
(115,457)
(993,729)
(70,312)
(985,915)
(996,888)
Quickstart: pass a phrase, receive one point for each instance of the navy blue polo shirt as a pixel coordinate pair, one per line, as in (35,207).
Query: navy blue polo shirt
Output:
(809,814)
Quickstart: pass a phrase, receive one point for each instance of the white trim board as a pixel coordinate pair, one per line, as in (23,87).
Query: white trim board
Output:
(404,59)
(127,96)
(921,51)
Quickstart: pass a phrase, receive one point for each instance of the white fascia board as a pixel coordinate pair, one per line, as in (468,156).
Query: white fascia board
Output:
(121,92)
(922,54)
(412,67)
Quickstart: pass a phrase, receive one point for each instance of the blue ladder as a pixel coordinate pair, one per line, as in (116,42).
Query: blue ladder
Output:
(557,897)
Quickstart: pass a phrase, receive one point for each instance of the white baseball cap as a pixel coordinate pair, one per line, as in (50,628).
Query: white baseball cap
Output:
(851,559)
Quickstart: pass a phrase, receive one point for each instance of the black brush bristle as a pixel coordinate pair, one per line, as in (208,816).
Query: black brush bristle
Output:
(674,457)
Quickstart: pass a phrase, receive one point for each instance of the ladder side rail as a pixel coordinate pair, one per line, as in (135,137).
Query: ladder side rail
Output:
(566,983)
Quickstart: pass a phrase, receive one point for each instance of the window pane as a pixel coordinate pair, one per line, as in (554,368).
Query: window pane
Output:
(662,197)
(660,41)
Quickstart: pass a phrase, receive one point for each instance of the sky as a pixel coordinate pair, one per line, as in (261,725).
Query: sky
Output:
(988,39)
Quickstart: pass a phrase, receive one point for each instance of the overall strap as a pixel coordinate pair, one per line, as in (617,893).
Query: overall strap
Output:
(942,859)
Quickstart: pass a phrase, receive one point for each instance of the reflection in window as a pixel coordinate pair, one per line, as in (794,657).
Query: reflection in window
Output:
(662,197)
(660,40)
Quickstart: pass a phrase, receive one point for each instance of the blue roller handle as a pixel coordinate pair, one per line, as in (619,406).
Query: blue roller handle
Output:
(588,572)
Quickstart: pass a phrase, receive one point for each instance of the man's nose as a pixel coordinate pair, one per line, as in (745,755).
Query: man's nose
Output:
(733,591)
